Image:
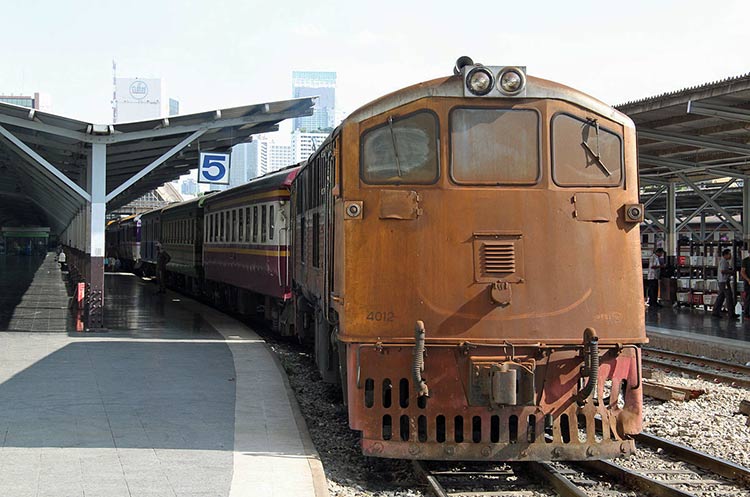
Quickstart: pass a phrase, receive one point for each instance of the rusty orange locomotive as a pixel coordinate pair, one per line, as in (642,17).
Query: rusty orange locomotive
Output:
(466,254)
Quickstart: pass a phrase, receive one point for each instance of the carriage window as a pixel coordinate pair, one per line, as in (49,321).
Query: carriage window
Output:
(263,224)
(404,150)
(235,226)
(255,224)
(495,146)
(248,225)
(584,153)
(241,225)
(271,223)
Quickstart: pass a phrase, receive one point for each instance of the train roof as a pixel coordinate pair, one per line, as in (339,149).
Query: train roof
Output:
(453,86)
(193,203)
(282,178)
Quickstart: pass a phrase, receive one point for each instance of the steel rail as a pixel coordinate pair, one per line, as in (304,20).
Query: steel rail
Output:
(634,480)
(715,465)
(701,361)
(434,484)
(745,382)
(562,485)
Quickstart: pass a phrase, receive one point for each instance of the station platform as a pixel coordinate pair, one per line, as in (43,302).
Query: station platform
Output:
(695,331)
(172,399)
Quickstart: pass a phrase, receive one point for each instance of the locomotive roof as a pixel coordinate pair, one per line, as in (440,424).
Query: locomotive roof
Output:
(270,181)
(452,86)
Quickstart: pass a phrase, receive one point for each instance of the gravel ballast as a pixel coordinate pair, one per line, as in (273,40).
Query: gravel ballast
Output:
(711,423)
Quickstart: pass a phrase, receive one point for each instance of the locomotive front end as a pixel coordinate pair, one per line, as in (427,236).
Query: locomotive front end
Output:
(489,297)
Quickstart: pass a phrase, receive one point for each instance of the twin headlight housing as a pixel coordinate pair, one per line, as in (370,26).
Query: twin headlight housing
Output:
(494,81)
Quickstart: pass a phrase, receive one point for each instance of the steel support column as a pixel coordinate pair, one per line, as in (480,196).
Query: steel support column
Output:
(746,214)
(97,178)
(671,220)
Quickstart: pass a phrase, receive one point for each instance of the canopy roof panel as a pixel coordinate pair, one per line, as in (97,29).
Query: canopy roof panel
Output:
(45,156)
(700,132)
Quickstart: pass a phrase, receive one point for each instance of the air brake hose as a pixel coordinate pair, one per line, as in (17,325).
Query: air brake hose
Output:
(418,365)
(591,361)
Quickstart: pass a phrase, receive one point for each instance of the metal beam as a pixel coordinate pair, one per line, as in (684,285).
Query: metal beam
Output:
(694,141)
(43,162)
(219,123)
(655,221)
(670,218)
(127,184)
(746,213)
(713,110)
(655,195)
(45,128)
(720,211)
(685,166)
(705,204)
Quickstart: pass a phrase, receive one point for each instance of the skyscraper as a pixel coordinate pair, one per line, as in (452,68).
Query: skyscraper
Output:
(323,85)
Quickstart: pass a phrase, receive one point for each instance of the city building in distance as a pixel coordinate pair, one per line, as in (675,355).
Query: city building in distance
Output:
(323,85)
(39,101)
(139,99)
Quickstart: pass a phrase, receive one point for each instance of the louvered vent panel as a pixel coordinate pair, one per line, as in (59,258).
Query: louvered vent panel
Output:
(499,258)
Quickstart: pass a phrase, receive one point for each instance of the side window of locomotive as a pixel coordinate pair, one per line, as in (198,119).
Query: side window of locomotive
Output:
(241,224)
(584,153)
(401,151)
(495,146)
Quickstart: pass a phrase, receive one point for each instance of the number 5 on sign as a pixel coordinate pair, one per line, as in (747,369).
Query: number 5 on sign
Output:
(213,168)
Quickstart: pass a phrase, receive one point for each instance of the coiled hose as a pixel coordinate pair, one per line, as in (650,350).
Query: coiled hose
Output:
(418,365)
(591,363)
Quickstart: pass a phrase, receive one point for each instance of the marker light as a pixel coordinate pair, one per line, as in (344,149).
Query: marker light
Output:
(479,81)
(511,81)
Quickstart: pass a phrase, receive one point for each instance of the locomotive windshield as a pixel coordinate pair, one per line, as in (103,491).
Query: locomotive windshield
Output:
(403,150)
(494,146)
(585,153)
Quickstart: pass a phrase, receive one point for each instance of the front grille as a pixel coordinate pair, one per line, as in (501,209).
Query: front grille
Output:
(498,257)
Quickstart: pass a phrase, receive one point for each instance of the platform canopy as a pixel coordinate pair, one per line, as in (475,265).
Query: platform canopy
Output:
(46,158)
(694,158)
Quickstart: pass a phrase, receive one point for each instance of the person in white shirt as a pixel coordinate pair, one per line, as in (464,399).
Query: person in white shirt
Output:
(725,285)
(655,265)
(62,260)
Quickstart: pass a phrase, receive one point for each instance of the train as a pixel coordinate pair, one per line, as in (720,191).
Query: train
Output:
(464,253)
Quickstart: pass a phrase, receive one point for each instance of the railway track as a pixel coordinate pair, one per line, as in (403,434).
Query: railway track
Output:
(700,367)
(667,470)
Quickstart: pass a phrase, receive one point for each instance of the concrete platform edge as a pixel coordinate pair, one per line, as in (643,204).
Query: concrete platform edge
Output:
(700,345)
(320,481)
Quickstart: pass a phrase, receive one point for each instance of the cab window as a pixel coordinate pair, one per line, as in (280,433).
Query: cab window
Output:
(404,150)
(494,146)
(585,153)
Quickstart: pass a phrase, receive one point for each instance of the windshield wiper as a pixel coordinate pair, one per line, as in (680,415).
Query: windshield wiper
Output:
(595,155)
(395,148)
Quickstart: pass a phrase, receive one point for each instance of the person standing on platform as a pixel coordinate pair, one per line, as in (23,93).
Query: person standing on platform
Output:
(162,259)
(725,285)
(62,259)
(745,275)
(655,265)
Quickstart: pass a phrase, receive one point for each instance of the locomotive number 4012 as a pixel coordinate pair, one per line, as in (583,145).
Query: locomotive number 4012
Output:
(380,316)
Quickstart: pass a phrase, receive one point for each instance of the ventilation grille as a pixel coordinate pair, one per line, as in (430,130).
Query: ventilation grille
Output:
(498,257)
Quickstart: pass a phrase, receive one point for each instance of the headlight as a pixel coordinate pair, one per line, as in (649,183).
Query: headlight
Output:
(511,81)
(480,81)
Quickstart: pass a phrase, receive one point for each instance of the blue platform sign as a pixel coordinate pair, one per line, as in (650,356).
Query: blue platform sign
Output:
(213,168)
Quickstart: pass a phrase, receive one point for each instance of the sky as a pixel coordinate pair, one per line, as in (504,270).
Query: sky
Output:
(222,53)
